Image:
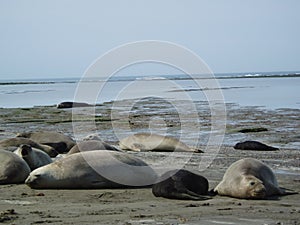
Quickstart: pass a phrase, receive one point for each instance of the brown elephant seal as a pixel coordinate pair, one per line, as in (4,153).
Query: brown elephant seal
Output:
(11,144)
(13,169)
(90,146)
(51,138)
(181,184)
(153,142)
(254,145)
(93,169)
(249,179)
(35,158)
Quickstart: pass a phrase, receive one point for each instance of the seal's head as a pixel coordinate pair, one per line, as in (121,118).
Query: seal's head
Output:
(43,177)
(254,188)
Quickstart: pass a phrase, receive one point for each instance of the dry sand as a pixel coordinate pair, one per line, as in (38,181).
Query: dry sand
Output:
(21,205)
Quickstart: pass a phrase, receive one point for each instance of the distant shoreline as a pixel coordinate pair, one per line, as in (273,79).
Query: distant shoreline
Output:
(271,90)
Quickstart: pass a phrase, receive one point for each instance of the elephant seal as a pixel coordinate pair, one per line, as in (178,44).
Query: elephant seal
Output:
(13,169)
(153,142)
(254,145)
(90,146)
(33,157)
(94,137)
(12,144)
(249,179)
(181,184)
(67,105)
(93,169)
(50,138)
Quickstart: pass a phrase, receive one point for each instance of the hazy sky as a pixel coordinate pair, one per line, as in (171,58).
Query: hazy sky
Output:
(61,38)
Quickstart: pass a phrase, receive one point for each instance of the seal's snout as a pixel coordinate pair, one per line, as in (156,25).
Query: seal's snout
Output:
(32,180)
(260,192)
(25,150)
(53,153)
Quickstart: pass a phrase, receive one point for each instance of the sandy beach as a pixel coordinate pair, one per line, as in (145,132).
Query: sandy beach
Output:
(21,205)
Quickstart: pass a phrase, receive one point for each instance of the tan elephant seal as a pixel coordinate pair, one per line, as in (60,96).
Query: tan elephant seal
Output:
(90,146)
(249,179)
(154,142)
(93,169)
(61,142)
(13,169)
(35,158)
(11,144)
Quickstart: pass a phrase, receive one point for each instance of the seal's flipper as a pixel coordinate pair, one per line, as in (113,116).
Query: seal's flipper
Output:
(212,192)
(197,150)
(137,147)
(187,196)
(285,191)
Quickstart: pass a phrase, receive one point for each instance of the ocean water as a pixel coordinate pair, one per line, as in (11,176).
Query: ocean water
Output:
(270,90)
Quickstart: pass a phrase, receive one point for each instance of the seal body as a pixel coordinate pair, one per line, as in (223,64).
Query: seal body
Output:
(90,146)
(51,138)
(153,142)
(33,157)
(181,184)
(13,169)
(93,169)
(254,145)
(11,144)
(249,179)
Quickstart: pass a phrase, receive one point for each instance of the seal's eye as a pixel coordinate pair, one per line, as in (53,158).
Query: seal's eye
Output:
(252,183)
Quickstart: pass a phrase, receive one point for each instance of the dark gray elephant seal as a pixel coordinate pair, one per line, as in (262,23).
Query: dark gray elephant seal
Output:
(35,158)
(153,142)
(90,146)
(181,184)
(249,179)
(51,138)
(254,145)
(12,144)
(93,169)
(13,169)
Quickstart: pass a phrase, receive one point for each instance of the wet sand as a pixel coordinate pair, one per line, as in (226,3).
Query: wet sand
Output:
(21,205)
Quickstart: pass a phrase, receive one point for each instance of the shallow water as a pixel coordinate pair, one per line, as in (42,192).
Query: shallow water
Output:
(245,90)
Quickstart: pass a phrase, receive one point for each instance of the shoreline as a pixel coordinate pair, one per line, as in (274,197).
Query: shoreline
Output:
(281,124)
(21,205)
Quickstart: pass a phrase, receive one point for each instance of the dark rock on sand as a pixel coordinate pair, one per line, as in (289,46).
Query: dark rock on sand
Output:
(254,145)
(253,130)
(66,105)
